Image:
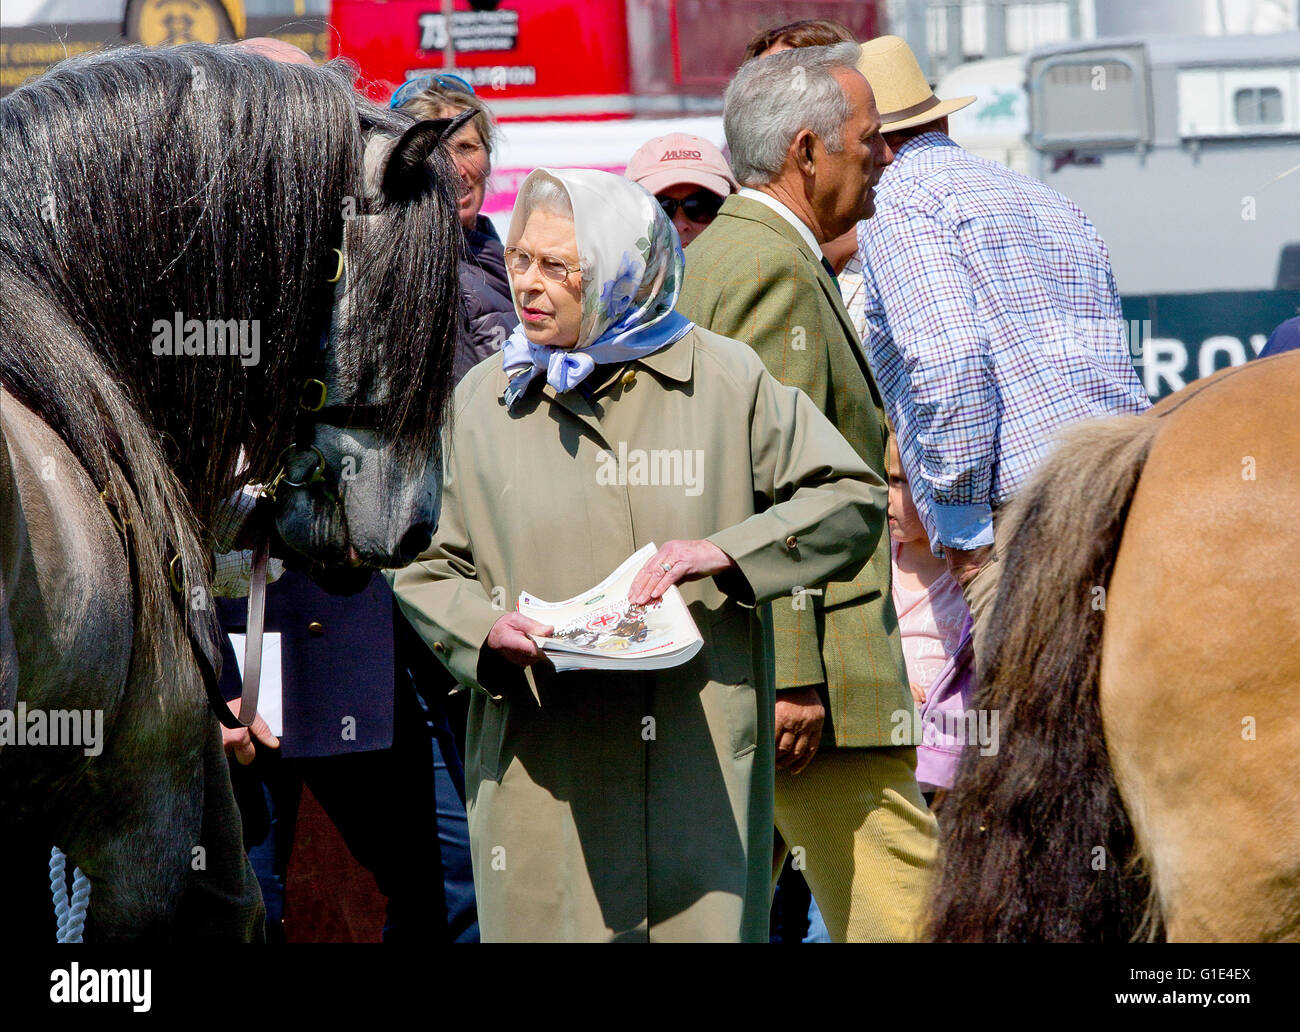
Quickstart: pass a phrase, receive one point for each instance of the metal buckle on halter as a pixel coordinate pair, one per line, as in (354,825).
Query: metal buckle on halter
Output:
(177,579)
(338,273)
(314,393)
(317,475)
(121,523)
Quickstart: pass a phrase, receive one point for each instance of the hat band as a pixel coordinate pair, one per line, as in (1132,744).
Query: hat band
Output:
(916,109)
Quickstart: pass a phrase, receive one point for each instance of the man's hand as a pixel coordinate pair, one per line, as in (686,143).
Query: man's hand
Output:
(675,562)
(510,639)
(240,743)
(799,718)
(964,564)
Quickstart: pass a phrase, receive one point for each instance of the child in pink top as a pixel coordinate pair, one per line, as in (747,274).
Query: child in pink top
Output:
(934,622)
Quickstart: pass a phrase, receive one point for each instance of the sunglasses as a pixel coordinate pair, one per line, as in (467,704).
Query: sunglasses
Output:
(518,261)
(411,87)
(700,206)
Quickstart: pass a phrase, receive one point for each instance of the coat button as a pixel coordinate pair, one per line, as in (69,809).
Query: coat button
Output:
(792,542)
(439,647)
(629,378)
(316,628)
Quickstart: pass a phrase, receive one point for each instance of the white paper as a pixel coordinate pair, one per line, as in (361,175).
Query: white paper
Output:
(601,630)
(270,702)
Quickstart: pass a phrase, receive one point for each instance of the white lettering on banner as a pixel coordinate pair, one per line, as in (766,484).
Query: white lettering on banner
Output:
(470,30)
(1166,358)
(1212,347)
(496,76)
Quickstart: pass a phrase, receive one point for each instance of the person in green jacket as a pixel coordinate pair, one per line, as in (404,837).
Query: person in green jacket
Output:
(805,143)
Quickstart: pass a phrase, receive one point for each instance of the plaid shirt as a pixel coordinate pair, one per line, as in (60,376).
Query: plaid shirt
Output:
(992,320)
(232,571)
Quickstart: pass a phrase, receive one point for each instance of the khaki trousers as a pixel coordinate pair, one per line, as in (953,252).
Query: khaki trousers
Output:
(855,820)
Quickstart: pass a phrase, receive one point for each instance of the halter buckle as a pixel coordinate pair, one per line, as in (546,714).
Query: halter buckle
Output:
(314,393)
(317,475)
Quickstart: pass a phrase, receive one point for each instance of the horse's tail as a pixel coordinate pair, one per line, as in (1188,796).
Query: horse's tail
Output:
(1037,844)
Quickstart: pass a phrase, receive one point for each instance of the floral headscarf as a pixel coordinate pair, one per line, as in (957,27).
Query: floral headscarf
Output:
(631,262)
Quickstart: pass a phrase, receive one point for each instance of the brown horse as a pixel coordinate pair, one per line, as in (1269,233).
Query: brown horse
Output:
(1144,656)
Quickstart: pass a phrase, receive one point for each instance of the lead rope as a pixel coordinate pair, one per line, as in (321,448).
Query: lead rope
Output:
(70,916)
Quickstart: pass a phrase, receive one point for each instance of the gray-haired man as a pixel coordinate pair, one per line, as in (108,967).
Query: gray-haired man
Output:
(805,144)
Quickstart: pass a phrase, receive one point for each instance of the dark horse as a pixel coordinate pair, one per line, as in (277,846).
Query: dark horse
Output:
(193,243)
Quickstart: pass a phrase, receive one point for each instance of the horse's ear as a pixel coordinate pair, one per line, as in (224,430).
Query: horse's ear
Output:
(413,148)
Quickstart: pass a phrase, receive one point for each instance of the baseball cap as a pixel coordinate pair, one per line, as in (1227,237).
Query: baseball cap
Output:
(681,158)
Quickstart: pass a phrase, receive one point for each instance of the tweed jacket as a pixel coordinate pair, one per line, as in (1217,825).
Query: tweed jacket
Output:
(751,277)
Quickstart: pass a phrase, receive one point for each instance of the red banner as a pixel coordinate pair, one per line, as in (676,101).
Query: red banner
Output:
(522,51)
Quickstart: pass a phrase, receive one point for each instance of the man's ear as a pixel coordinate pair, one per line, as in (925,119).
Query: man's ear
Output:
(805,149)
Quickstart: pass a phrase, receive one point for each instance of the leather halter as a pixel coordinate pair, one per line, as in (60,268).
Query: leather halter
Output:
(312,412)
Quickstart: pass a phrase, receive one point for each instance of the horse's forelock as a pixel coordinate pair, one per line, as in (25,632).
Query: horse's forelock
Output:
(404,304)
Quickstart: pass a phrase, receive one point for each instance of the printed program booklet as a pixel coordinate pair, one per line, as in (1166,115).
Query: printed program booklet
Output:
(601,630)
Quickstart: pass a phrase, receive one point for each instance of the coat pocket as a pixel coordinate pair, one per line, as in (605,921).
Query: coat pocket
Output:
(740,702)
(487,735)
(734,680)
(871,580)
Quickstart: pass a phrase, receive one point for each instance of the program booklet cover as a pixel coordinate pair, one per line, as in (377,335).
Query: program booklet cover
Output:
(601,630)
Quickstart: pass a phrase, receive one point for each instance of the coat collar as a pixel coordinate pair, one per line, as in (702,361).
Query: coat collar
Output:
(768,201)
(676,361)
(753,211)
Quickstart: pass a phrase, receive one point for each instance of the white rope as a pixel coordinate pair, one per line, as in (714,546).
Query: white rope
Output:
(59,888)
(69,915)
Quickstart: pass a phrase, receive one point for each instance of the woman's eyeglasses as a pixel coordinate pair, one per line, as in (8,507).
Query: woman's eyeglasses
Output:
(411,87)
(701,206)
(518,261)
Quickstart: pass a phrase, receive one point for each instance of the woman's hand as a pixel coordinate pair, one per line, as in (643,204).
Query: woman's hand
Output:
(509,638)
(675,562)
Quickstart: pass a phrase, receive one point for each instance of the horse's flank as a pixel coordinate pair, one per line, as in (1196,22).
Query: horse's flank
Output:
(122,813)
(1190,694)
(1200,668)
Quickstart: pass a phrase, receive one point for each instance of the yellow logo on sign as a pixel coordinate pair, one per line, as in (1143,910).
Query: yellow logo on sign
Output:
(168,22)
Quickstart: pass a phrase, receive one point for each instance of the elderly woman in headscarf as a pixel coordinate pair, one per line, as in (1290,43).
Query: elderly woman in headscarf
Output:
(612,805)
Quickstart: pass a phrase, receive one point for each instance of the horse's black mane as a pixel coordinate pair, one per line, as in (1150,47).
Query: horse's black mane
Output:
(211,181)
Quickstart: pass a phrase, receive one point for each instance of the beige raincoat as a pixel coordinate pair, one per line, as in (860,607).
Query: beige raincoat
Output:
(631,805)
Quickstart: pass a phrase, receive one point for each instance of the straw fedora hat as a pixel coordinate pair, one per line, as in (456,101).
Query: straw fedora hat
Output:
(903,97)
